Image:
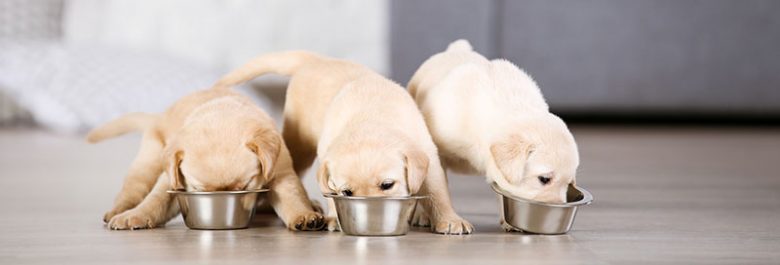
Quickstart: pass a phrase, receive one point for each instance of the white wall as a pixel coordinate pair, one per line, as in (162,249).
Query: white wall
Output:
(227,33)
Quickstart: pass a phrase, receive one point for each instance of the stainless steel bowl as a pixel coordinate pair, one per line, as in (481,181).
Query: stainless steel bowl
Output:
(218,209)
(374,216)
(539,217)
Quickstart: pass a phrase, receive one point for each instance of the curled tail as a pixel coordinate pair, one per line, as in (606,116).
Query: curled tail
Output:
(460,45)
(129,122)
(283,63)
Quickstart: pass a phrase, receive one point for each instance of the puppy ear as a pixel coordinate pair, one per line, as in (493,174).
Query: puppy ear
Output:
(323,176)
(266,144)
(510,155)
(416,163)
(173,160)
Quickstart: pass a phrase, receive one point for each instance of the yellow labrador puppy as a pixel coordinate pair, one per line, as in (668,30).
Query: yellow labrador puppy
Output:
(211,140)
(365,130)
(489,118)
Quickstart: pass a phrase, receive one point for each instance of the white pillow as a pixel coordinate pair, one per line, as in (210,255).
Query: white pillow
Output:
(24,19)
(74,88)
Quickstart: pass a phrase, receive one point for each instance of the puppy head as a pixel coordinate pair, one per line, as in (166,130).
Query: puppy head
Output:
(196,162)
(373,172)
(537,162)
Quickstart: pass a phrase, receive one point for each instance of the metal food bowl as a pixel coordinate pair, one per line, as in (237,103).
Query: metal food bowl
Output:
(539,217)
(217,210)
(374,216)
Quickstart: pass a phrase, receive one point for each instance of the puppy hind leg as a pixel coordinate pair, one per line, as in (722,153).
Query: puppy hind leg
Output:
(302,152)
(144,171)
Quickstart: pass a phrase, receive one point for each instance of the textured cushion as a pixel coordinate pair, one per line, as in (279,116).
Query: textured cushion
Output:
(25,20)
(74,88)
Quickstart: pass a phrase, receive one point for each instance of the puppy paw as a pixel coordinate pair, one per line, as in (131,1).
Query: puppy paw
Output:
(333,224)
(420,218)
(453,226)
(311,221)
(132,220)
(508,228)
(110,214)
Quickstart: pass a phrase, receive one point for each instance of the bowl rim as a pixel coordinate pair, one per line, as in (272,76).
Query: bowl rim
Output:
(184,192)
(587,198)
(411,197)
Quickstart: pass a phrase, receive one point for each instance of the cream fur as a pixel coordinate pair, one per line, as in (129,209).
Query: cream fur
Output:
(490,118)
(211,140)
(363,128)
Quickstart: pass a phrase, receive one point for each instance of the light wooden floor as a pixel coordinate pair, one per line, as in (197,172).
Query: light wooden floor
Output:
(663,195)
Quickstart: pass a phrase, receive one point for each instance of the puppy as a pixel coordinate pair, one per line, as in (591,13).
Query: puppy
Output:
(212,140)
(489,118)
(365,130)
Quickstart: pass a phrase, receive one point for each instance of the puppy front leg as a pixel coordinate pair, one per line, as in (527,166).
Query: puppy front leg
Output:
(289,200)
(438,206)
(155,210)
(420,217)
(331,217)
(145,169)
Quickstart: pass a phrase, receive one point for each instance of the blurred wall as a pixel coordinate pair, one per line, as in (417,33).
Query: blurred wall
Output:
(227,33)
(613,56)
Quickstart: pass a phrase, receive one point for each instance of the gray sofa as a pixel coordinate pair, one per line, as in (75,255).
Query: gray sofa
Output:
(613,57)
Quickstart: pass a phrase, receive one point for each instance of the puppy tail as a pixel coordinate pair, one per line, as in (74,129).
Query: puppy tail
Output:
(283,63)
(460,45)
(129,122)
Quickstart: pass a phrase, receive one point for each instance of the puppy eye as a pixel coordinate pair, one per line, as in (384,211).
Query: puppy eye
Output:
(387,184)
(346,192)
(544,180)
